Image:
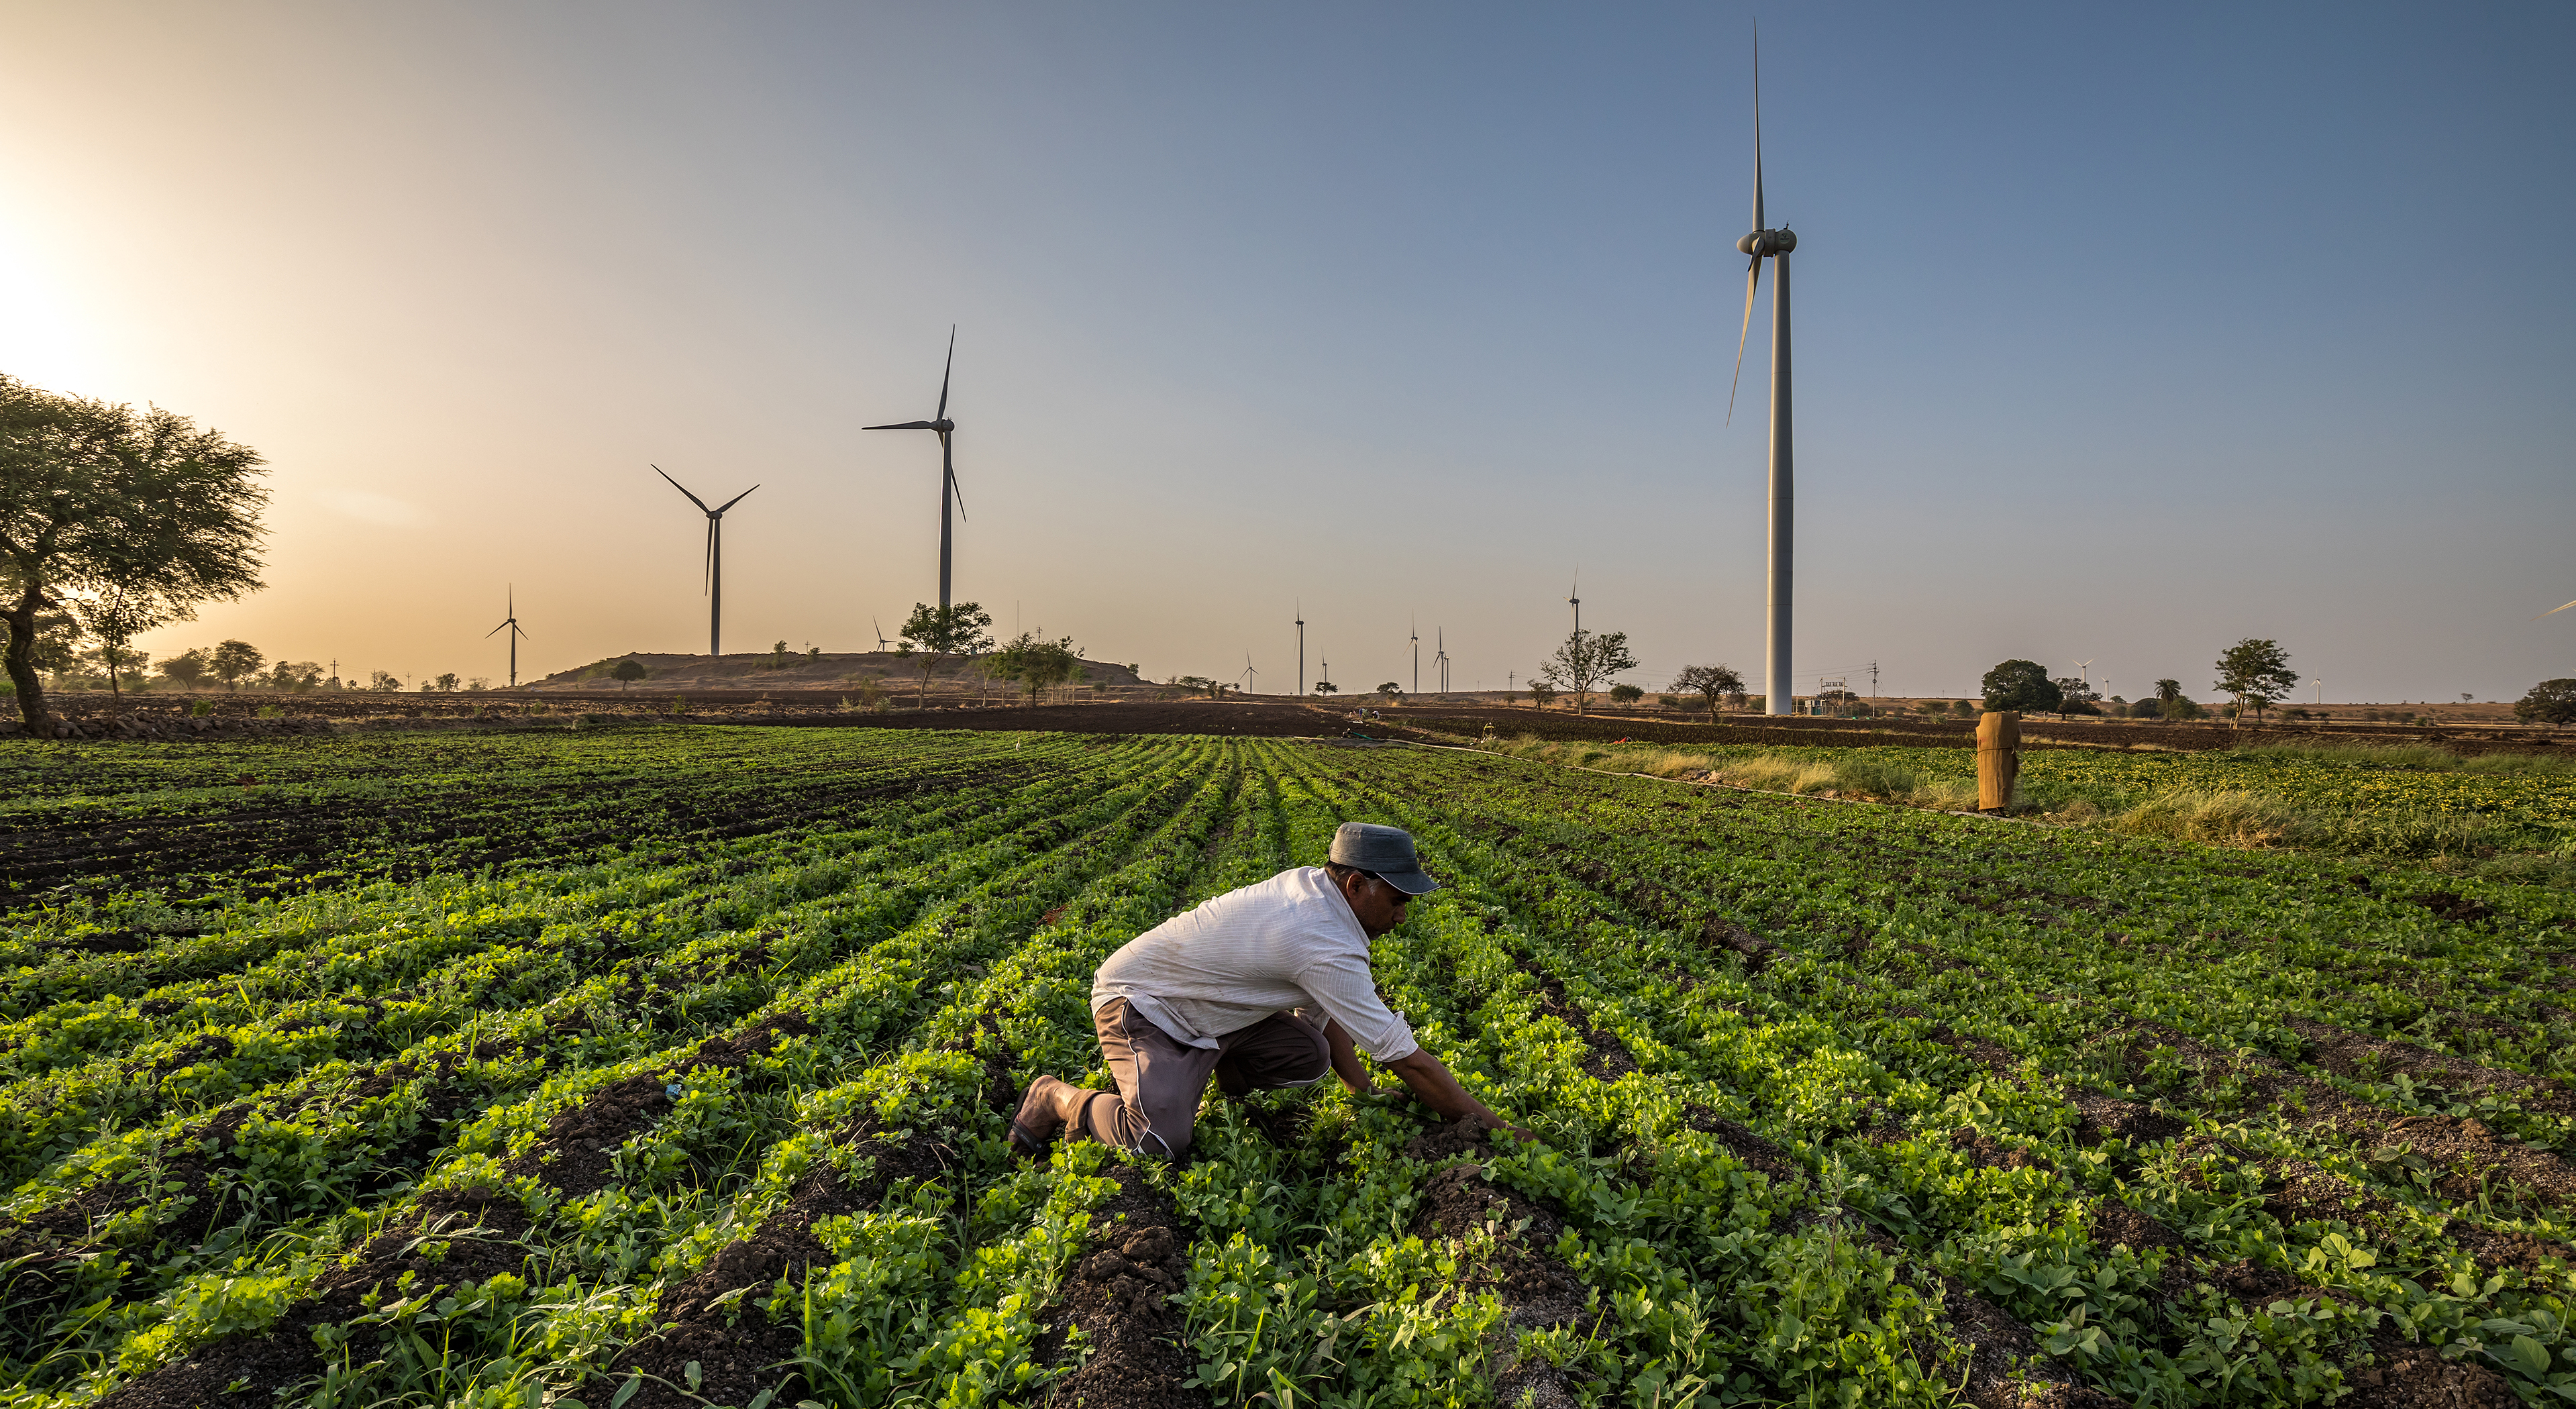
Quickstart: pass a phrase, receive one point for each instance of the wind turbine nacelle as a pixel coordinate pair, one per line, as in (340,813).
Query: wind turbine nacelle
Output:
(943,425)
(1764,243)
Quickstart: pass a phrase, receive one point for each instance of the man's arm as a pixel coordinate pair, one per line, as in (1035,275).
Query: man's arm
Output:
(1346,1058)
(1433,1084)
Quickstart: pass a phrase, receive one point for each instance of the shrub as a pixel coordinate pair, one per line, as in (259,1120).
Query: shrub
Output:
(1626,694)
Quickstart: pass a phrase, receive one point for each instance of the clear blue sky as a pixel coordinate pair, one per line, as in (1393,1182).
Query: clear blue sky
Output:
(2123,332)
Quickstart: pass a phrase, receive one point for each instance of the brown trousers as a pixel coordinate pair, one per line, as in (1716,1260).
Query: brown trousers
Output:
(1160,1077)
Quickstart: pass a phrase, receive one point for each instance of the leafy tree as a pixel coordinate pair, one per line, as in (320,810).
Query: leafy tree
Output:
(2550,702)
(93,494)
(296,675)
(1626,694)
(120,607)
(1714,682)
(2257,673)
(235,659)
(1037,663)
(478,684)
(447,682)
(1326,687)
(1585,659)
(1542,690)
(2168,691)
(778,656)
(122,668)
(1391,690)
(2022,685)
(383,680)
(189,667)
(1928,708)
(1198,683)
(935,633)
(629,671)
(2075,697)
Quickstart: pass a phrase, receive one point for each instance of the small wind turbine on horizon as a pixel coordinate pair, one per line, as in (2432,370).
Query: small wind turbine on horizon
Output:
(1417,659)
(1440,661)
(1574,599)
(879,628)
(1774,245)
(1247,677)
(948,489)
(511,621)
(714,586)
(2084,672)
(1301,649)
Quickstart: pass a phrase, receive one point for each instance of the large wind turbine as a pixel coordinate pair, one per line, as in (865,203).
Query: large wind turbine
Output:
(1767,243)
(1574,599)
(1247,677)
(948,489)
(512,622)
(715,559)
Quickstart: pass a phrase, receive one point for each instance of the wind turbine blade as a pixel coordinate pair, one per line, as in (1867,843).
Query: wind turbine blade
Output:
(495,631)
(1752,281)
(948,470)
(944,370)
(707,573)
(900,426)
(684,489)
(2553,611)
(524,636)
(1757,127)
(737,499)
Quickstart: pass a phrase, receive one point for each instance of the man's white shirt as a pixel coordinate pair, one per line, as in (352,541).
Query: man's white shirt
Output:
(1289,943)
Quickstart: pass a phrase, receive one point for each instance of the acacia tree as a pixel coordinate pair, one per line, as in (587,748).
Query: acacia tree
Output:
(188,667)
(936,633)
(93,494)
(235,659)
(1585,659)
(2257,672)
(629,671)
(2550,702)
(1542,689)
(1713,681)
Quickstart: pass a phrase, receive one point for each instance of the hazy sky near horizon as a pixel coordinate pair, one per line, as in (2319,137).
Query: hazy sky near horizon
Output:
(2122,332)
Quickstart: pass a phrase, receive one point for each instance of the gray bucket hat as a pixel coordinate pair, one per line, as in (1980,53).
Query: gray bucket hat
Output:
(1385,852)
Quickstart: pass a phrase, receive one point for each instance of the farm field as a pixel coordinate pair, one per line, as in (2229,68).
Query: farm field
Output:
(672,1066)
(2413,800)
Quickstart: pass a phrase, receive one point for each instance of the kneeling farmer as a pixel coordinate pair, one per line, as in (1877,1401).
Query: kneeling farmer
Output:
(1264,987)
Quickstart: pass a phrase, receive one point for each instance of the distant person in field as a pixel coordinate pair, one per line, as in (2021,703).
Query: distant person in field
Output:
(1263,987)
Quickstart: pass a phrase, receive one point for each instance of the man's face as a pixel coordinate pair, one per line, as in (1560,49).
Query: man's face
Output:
(1378,906)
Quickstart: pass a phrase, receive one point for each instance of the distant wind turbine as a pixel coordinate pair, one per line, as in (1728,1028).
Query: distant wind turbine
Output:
(1774,245)
(1247,676)
(1441,660)
(1301,649)
(948,489)
(512,622)
(1417,660)
(879,628)
(2084,672)
(715,559)
(1574,599)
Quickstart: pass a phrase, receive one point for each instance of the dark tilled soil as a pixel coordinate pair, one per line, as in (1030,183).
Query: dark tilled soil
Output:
(1119,1296)
(2402,1376)
(2002,1373)
(2100,1118)
(460,1237)
(1741,1142)
(2497,1249)
(578,1153)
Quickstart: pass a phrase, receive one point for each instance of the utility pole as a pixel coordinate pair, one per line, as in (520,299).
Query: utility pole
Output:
(1873,680)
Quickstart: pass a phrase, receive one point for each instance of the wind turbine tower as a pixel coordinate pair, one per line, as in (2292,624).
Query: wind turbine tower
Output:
(1774,245)
(1574,599)
(715,559)
(1440,661)
(948,489)
(1301,650)
(1248,678)
(510,621)
(1417,660)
